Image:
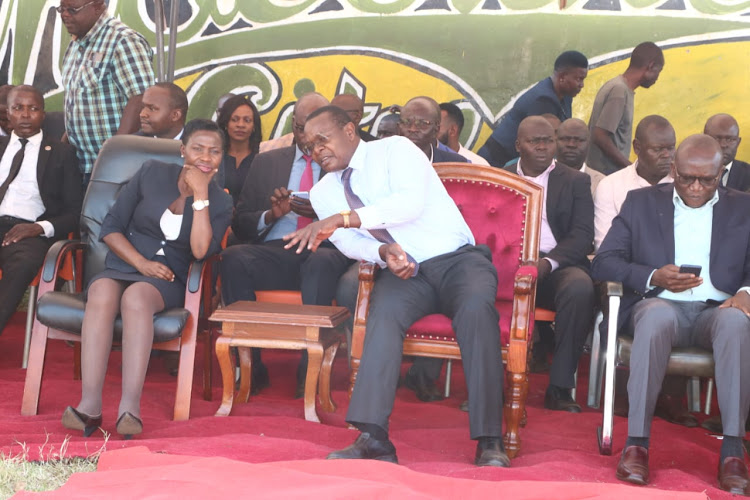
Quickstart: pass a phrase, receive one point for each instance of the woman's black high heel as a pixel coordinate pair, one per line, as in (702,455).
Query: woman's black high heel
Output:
(128,425)
(75,420)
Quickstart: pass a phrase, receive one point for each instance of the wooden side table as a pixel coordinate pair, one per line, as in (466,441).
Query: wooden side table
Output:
(279,326)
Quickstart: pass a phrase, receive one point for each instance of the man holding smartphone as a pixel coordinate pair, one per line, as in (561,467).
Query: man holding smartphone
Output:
(275,201)
(698,223)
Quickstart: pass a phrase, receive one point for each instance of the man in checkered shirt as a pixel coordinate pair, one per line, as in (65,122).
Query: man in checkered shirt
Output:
(106,69)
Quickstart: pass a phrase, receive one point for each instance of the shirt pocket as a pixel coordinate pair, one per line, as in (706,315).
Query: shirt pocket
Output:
(90,75)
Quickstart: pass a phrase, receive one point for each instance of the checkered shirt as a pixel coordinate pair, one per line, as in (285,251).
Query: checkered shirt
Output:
(100,72)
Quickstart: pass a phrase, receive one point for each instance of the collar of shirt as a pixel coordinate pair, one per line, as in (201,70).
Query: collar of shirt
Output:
(357,160)
(297,153)
(539,178)
(34,140)
(725,174)
(633,167)
(94,31)
(680,205)
(583,168)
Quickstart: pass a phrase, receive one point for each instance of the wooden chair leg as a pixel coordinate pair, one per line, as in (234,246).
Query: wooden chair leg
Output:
(314,359)
(353,375)
(227,375)
(185,371)
(33,383)
(246,367)
(208,338)
(324,382)
(30,310)
(514,408)
(77,361)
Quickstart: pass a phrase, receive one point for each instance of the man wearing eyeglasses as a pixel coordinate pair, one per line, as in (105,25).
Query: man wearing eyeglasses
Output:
(726,131)
(274,202)
(355,108)
(105,71)
(699,223)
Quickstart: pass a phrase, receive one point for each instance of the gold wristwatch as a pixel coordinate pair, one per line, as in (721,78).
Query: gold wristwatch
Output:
(345,214)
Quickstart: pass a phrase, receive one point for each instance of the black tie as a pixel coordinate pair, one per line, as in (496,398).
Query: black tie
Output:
(15,167)
(382,235)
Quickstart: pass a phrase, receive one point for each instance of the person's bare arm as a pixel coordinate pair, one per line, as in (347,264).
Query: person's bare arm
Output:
(603,139)
(130,121)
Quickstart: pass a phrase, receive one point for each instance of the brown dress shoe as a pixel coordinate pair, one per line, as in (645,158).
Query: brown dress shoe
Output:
(673,410)
(733,476)
(490,453)
(633,466)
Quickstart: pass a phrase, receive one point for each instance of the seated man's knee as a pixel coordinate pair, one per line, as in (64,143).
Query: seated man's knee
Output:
(733,323)
(654,318)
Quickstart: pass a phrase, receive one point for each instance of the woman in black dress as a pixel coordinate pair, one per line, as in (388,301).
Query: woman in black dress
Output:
(240,121)
(166,216)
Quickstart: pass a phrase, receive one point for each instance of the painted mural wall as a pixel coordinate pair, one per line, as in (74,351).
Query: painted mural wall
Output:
(478,53)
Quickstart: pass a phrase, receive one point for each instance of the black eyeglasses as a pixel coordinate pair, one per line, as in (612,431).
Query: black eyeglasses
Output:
(72,11)
(689,180)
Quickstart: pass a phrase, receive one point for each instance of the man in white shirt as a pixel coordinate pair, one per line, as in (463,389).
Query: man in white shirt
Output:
(573,146)
(40,196)
(451,125)
(383,202)
(654,145)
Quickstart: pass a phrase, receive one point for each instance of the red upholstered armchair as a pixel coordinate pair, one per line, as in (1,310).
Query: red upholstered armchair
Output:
(504,213)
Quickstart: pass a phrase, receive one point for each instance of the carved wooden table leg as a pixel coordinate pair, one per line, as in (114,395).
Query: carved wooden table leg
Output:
(227,375)
(324,382)
(314,358)
(246,364)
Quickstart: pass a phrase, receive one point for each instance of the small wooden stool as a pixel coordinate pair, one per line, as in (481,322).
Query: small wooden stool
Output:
(279,326)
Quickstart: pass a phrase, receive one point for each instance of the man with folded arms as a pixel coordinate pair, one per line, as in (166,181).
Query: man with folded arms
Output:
(383,202)
(696,222)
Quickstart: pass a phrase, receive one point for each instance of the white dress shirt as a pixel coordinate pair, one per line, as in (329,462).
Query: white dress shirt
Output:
(402,193)
(611,194)
(23,200)
(725,174)
(547,240)
(472,156)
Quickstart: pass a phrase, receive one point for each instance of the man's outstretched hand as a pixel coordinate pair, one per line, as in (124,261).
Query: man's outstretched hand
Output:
(396,260)
(311,236)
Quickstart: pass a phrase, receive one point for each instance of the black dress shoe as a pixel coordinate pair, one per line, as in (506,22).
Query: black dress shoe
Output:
(490,452)
(633,465)
(674,411)
(367,447)
(464,406)
(425,391)
(75,420)
(559,399)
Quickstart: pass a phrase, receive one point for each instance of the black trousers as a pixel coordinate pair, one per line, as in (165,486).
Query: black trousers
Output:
(570,293)
(20,262)
(246,268)
(462,285)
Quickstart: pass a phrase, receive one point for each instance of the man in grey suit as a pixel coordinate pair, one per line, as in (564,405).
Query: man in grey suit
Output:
(270,206)
(695,222)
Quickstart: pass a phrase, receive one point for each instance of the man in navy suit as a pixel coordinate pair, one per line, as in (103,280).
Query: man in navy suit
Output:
(694,221)
(726,131)
(40,196)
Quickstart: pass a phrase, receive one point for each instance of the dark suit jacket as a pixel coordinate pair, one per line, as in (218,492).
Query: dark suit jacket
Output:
(137,215)
(60,185)
(642,239)
(440,156)
(570,214)
(366,136)
(269,170)
(739,176)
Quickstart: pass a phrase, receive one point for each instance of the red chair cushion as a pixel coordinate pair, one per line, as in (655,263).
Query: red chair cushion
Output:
(438,326)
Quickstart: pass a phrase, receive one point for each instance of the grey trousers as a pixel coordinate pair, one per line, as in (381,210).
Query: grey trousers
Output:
(462,285)
(657,325)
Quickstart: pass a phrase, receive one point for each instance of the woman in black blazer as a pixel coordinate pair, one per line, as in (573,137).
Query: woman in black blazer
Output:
(166,216)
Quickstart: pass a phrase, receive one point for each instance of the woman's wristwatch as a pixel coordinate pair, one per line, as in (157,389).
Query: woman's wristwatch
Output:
(199,205)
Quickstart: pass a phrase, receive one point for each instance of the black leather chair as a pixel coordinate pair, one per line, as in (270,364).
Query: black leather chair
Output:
(59,314)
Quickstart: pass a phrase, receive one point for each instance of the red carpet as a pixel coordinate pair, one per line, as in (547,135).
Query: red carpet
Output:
(431,438)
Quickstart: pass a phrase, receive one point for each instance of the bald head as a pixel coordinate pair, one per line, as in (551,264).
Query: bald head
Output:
(650,123)
(726,131)
(697,169)
(535,144)
(302,108)
(352,104)
(420,122)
